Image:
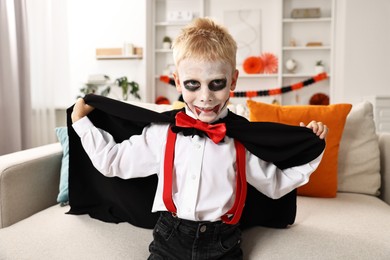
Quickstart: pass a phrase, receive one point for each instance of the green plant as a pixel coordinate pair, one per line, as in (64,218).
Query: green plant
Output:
(92,88)
(125,84)
(167,39)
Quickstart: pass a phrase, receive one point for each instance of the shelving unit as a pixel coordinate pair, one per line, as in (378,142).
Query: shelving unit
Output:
(161,59)
(302,31)
(276,17)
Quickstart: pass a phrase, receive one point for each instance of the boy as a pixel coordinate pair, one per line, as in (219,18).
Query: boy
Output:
(198,192)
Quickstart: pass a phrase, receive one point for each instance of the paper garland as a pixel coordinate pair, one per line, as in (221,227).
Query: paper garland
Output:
(266,92)
(279,91)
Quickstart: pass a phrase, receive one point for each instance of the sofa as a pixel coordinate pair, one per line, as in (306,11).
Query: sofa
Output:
(355,224)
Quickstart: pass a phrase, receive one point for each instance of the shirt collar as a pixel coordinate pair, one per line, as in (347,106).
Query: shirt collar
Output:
(223,114)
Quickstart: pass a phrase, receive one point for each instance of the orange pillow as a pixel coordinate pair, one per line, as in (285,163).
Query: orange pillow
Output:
(323,182)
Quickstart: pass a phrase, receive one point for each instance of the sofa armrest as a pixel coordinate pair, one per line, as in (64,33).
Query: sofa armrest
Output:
(29,182)
(384,147)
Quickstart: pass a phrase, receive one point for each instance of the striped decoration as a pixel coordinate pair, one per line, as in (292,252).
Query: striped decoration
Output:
(266,92)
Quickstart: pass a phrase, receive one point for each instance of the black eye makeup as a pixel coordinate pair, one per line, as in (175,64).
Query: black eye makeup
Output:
(214,85)
(217,84)
(191,85)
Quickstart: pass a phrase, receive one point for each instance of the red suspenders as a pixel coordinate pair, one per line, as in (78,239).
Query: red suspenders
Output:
(168,171)
(241,187)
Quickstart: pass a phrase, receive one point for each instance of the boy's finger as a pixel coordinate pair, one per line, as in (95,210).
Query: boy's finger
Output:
(314,126)
(324,132)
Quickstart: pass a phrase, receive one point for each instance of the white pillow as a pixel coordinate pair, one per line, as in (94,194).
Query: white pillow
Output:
(359,161)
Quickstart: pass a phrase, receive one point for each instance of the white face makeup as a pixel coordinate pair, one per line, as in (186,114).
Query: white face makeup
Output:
(205,86)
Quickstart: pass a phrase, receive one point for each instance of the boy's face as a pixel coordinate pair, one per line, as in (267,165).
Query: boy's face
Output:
(205,86)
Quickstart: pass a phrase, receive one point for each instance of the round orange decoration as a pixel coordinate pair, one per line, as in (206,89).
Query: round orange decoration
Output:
(270,62)
(253,65)
(162,100)
(319,99)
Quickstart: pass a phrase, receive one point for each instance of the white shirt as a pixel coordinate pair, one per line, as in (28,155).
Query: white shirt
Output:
(204,172)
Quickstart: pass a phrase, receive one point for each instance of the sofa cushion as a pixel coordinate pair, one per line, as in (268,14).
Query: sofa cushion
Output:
(52,234)
(351,226)
(359,162)
(325,229)
(62,136)
(323,182)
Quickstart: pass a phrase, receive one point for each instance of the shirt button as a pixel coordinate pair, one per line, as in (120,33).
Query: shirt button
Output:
(193,176)
(197,146)
(203,229)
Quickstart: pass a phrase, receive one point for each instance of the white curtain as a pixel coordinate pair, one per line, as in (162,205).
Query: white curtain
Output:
(15,101)
(42,67)
(26,87)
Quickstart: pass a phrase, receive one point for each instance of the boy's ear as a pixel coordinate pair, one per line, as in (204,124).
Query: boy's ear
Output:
(234,80)
(177,82)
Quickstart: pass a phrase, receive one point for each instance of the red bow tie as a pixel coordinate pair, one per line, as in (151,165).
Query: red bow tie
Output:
(216,132)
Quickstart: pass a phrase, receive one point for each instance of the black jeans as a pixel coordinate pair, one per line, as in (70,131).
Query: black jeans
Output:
(175,238)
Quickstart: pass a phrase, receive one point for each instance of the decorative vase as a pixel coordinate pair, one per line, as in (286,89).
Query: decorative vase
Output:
(291,65)
(166,45)
(319,69)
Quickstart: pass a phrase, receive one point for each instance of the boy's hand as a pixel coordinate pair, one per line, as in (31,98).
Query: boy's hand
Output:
(318,128)
(80,110)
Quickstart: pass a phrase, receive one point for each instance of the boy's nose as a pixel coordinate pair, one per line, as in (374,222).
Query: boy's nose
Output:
(206,94)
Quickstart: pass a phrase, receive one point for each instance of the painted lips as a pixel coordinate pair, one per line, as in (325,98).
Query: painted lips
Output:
(207,110)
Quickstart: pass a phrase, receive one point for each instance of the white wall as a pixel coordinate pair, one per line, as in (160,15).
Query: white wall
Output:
(362,66)
(60,51)
(102,24)
(361,46)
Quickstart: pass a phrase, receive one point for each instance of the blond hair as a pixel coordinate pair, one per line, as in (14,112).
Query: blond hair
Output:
(205,40)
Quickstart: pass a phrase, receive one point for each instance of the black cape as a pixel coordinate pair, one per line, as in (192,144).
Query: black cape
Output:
(117,200)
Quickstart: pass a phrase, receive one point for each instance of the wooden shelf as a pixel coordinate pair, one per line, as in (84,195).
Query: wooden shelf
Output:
(300,75)
(307,20)
(304,48)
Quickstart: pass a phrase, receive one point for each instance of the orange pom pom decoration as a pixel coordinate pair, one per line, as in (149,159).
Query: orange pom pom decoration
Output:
(162,100)
(253,65)
(319,99)
(270,63)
